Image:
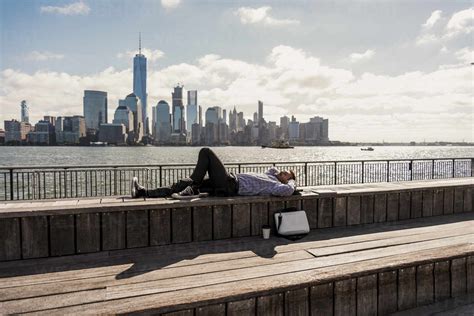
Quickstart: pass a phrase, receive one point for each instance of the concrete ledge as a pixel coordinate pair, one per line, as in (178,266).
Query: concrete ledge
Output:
(65,227)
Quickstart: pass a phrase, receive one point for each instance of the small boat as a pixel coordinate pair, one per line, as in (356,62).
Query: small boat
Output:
(98,144)
(279,144)
(367,149)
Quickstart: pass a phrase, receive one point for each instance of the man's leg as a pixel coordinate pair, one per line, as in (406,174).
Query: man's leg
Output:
(208,162)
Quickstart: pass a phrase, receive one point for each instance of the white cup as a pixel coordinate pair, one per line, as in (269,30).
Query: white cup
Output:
(266,232)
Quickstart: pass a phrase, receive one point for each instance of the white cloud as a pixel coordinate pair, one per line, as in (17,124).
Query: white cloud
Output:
(434,105)
(261,15)
(465,55)
(425,39)
(151,54)
(77,8)
(460,23)
(170,4)
(358,57)
(434,17)
(43,56)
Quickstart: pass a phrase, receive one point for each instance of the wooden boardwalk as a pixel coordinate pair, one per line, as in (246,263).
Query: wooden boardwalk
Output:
(381,267)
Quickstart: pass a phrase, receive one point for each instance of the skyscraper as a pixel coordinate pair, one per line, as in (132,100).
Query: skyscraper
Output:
(134,104)
(95,108)
(191,110)
(139,80)
(163,123)
(25,114)
(260,113)
(178,110)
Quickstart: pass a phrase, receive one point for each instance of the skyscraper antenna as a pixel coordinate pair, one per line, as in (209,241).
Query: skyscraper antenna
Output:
(140,43)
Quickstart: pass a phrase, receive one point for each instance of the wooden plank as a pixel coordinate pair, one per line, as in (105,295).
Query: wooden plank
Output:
(293,203)
(202,223)
(438,202)
(322,299)
(259,217)
(296,302)
(442,280)
(243,307)
(88,232)
(340,209)
(270,305)
(353,210)
(181,225)
(367,295)
(470,274)
(240,220)
(345,302)
(160,227)
(137,228)
(381,208)
(392,206)
(113,230)
(325,211)
(427,203)
(61,230)
(387,292)
(458,277)
(406,288)
(424,284)
(222,221)
(416,204)
(187,312)
(467,203)
(273,207)
(404,205)
(311,208)
(367,209)
(458,200)
(10,239)
(448,201)
(211,310)
(34,237)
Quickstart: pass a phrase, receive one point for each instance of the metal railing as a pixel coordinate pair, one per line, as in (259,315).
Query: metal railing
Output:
(56,182)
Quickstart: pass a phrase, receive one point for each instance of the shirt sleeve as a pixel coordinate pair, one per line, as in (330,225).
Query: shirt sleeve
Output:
(281,189)
(272,171)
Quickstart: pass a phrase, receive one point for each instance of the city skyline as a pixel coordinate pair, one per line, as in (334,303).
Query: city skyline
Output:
(418,88)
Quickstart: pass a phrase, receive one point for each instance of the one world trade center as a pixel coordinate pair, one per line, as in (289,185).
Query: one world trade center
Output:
(139,80)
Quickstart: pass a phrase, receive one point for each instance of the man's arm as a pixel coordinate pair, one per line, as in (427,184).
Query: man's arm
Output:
(287,189)
(272,171)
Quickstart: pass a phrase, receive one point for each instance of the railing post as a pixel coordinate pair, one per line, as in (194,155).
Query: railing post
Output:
(161,181)
(411,170)
(388,170)
(335,172)
(11,185)
(363,169)
(453,168)
(305,174)
(432,168)
(239,168)
(472,167)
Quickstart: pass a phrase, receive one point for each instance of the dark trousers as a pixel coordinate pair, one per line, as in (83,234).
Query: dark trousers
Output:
(219,182)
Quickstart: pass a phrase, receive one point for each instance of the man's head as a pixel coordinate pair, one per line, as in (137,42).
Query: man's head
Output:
(285,176)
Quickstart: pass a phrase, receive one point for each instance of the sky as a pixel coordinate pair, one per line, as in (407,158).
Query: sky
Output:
(378,70)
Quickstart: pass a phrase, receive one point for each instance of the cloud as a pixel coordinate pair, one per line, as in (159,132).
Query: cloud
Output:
(415,105)
(434,17)
(43,56)
(170,4)
(77,8)
(460,23)
(261,15)
(152,55)
(358,57)
(465,55)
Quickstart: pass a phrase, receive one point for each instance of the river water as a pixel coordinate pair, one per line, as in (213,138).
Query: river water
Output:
(72,156)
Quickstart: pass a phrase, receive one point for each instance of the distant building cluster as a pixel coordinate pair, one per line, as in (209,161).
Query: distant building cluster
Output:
(175,125)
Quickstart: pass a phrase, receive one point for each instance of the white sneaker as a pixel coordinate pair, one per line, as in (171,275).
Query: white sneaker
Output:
(136,189)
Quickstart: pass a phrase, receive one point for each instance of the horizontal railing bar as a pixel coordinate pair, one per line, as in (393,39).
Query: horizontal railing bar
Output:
(226,163)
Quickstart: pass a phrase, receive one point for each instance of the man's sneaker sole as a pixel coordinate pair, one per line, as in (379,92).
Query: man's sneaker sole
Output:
(133,189)
(176,196)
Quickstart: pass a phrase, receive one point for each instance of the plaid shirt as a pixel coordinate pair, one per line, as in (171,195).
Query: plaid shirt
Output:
(264,184)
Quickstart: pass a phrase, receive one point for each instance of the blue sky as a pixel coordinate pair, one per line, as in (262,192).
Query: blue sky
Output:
(372,67)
